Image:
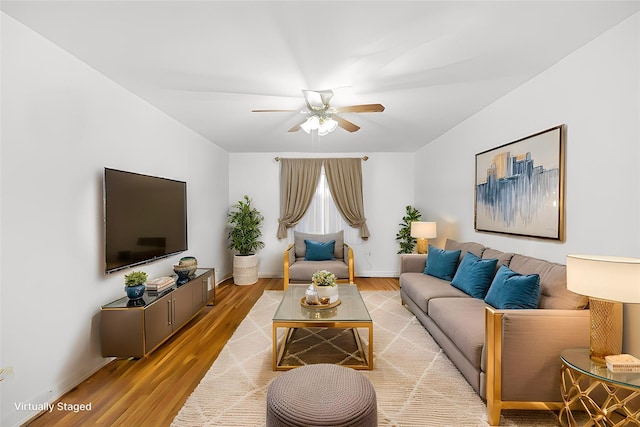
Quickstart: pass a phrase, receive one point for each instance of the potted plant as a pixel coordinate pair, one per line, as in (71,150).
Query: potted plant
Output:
(324,283)
(134,284)
(407,243)
(244,234)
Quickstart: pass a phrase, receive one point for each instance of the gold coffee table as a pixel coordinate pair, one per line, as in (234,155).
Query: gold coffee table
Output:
(351,314)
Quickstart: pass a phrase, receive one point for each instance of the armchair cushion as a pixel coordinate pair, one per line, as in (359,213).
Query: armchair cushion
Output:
(319,251)
(301,247)
(301,271)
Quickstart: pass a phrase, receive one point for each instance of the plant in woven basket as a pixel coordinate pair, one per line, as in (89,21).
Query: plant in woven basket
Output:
(323,278)
(245,231)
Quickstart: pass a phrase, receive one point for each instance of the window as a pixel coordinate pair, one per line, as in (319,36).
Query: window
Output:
(323,216)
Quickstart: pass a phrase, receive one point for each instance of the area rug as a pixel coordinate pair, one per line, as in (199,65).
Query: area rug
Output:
(416,384)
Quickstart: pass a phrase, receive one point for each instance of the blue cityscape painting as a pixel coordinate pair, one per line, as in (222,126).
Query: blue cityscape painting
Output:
(520,187)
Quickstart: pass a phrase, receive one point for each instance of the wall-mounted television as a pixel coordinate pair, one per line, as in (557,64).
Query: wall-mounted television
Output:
(145,218)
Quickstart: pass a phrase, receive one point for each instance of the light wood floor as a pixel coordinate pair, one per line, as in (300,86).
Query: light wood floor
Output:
(151,391)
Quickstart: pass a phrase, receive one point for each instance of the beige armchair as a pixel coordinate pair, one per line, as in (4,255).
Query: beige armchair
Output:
(297,269)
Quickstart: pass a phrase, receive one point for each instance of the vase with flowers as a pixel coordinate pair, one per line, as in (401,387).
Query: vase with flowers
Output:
(325,284)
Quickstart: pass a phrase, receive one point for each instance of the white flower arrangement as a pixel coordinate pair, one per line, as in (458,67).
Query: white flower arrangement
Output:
(323,278)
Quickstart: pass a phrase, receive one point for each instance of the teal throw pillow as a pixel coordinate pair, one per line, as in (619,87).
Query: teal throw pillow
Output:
(319,251)
(442,264)
(513,290)
(474,275)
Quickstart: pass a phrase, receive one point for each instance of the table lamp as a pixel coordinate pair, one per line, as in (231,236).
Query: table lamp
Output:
(608,282)
(423,231)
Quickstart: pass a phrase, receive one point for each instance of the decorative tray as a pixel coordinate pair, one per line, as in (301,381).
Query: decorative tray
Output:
(303,302)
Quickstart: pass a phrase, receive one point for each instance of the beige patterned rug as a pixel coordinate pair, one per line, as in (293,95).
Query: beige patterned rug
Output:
(416,385)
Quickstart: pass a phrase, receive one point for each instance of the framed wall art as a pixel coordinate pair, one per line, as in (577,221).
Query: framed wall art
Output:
(519,187)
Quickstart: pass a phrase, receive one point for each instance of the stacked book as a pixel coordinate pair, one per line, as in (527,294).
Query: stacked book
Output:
(160,284)
(622,363)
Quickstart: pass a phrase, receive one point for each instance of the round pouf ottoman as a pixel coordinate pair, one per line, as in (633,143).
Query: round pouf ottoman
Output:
(321,395)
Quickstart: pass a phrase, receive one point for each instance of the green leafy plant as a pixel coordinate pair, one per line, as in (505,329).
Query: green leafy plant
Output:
(407,243)
(246,223)
(323,278)
(135,278)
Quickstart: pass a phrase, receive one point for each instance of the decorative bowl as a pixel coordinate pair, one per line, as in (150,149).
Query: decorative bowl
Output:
(183,273)
(190,262)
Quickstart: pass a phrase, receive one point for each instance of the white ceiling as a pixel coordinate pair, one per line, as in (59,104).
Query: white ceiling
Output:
(432,64)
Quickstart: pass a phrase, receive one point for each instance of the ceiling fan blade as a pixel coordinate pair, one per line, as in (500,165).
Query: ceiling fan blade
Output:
(346,124)
(364,108)
(274,111)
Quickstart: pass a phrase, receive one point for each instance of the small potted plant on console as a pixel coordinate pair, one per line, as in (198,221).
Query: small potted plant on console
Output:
(135,284)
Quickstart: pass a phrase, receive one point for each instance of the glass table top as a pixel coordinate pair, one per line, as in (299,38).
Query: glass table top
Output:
(578,359)
(151,296)
(351,308)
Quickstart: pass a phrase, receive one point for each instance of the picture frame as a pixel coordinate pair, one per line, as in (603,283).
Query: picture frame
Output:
(519,187)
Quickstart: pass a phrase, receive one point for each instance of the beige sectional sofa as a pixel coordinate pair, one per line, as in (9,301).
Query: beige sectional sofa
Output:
(511,357)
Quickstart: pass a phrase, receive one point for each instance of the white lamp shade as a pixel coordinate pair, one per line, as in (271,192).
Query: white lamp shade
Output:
(604,277)
(424,230)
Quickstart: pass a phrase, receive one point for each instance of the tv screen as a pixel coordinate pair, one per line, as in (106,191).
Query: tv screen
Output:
(145,218)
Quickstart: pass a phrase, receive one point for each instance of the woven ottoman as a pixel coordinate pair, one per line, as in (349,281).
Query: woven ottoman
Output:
(321,395)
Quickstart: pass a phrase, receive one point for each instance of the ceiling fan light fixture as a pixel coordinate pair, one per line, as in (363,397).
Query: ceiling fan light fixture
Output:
(312,123)
(329,125)
(323,124)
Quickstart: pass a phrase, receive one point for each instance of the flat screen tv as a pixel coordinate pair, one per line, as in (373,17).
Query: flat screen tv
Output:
(145,218)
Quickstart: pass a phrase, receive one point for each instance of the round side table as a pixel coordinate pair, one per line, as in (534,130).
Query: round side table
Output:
(608,398)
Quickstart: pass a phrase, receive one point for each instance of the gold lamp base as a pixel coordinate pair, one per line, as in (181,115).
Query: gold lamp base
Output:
(606,328)
(423,246)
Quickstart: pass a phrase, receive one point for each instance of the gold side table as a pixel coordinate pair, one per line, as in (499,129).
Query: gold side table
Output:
(608,398)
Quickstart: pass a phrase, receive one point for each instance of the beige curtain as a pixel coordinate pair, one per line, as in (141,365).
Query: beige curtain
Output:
(345,182)
(298,182)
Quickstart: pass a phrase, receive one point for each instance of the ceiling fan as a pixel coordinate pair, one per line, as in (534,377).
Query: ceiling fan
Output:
(321,116)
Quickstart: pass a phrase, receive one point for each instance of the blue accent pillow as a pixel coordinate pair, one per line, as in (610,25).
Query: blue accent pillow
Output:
(474,275)
(319,251)
(442,264)
(513,290)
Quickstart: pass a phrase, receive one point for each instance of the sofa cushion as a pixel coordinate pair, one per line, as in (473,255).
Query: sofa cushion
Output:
(421,288)
(301,271)
(553,283)
(474,275)
(301,248)
(511,290)
(475,248)
(504,258)
(462,320)
(442,263)
(319,251)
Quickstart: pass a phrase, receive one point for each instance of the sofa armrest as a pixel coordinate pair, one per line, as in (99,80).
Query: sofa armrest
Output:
(413,263)
(348,259)
(522,355)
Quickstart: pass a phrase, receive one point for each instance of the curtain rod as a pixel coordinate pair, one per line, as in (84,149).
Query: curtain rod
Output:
(364,159)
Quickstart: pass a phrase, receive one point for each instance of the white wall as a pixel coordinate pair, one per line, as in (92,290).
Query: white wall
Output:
(62,123)
(388,187)
(595,91)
